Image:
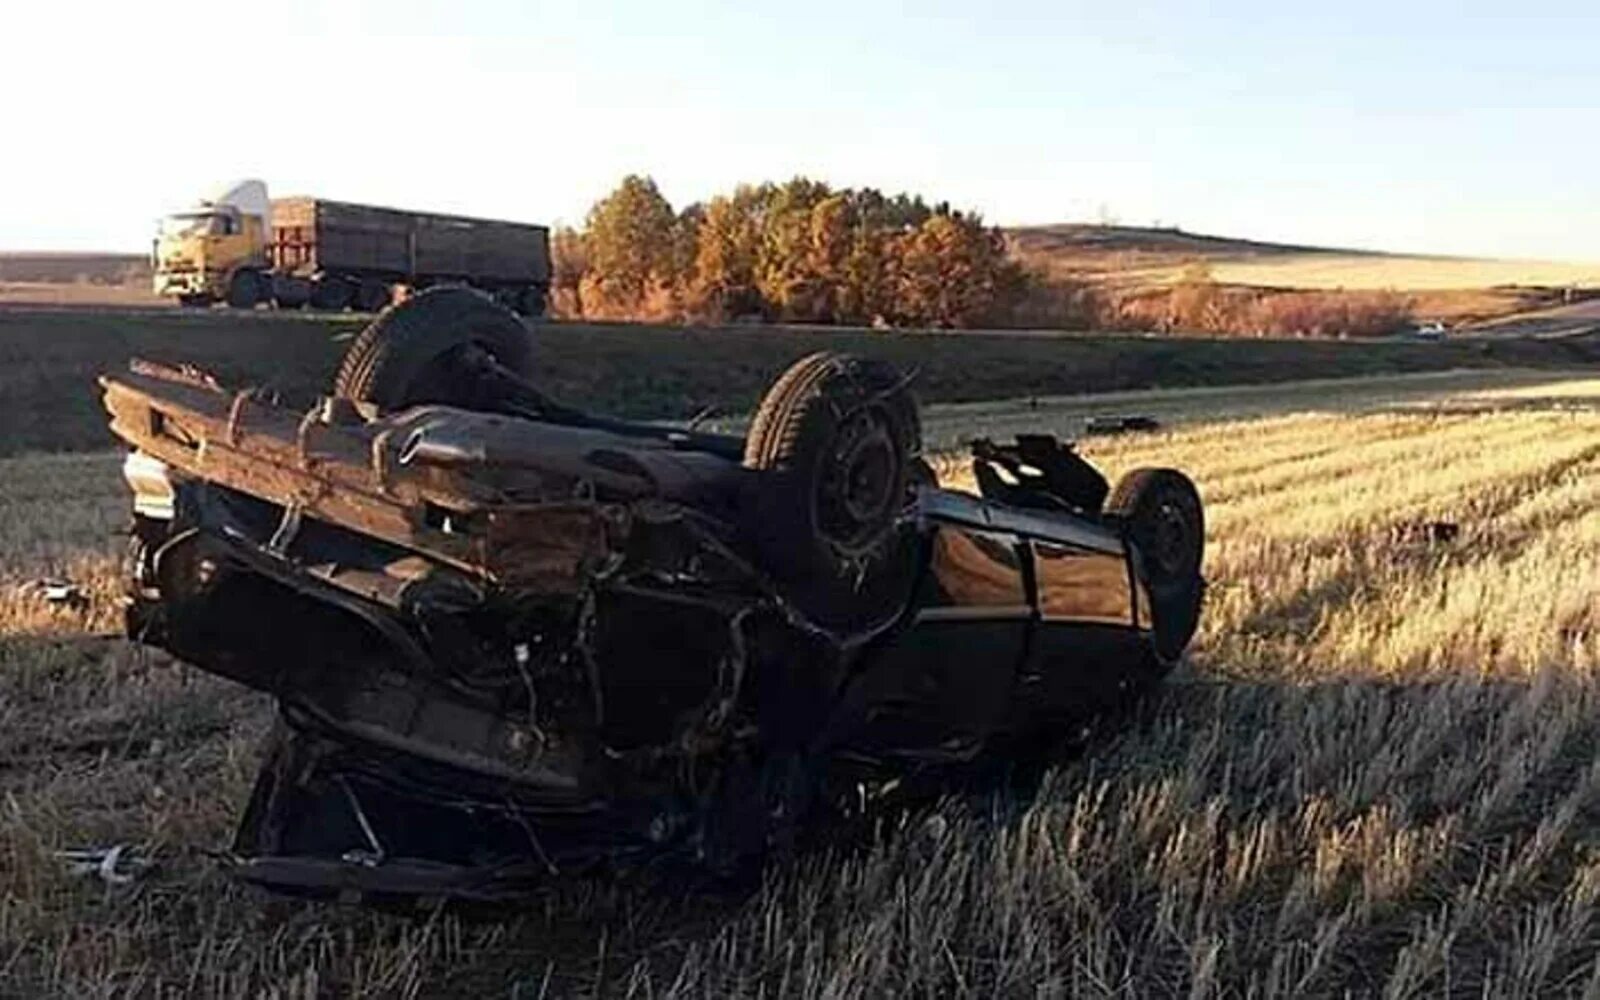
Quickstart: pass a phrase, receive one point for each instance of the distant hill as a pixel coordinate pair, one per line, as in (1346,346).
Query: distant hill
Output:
(1156,257)
(1084,238)
(48,278)
(65,268)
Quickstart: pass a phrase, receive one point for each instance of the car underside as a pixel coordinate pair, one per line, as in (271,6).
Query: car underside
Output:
(510,640)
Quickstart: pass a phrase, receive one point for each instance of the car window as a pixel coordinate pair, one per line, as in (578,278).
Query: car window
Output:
(970,568)
(1079,584)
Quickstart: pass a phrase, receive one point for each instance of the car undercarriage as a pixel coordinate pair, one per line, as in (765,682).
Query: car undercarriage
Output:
(510,639)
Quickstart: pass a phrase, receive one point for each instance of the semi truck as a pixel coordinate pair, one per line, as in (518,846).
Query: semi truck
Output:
(244,249)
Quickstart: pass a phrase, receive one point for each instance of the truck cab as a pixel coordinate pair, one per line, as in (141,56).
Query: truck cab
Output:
(215,250)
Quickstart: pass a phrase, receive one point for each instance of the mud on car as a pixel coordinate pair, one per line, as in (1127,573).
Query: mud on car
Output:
(510,639)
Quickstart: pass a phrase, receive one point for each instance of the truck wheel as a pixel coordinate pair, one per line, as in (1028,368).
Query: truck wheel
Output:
(837,440)
(402,358)
(371,296)
(331,293)
(531,303)
(244,290)
(1159,510)
(290,291)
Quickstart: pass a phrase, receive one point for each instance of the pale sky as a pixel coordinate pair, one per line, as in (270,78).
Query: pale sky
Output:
(1462,128)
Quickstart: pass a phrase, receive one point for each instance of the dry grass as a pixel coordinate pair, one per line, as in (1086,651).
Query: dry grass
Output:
(1119,276)
(1158,257)
(1329,270)
(1379,776)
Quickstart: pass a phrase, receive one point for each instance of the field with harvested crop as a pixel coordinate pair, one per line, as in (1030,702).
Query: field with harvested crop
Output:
(1134,261)
(1378,775)
(1148,256)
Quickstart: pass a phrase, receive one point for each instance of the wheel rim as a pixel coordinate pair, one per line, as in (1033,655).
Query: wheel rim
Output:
(857,493)
(1169,538)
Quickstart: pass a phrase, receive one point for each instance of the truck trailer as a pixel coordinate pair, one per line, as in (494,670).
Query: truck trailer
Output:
(243,249)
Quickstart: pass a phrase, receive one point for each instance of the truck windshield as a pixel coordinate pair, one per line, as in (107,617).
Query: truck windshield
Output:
(194,224)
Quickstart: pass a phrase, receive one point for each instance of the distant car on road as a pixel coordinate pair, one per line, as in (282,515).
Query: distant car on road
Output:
(1430,330)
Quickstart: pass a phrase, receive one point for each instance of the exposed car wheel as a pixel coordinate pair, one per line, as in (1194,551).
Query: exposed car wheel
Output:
(331,294)
(838,440)
(1160,512)
(244,290)
(371,296)
(403,357)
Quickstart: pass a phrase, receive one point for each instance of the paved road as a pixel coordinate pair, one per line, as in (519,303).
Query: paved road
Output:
(1563,321)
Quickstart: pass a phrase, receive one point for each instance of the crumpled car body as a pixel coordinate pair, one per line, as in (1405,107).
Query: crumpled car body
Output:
(505,649)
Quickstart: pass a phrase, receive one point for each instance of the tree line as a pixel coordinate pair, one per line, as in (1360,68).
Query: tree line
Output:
(799,251)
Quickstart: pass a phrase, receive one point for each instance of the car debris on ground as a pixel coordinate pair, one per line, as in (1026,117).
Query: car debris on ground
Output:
(117,864)
(59,592)
(510,639)
(1120,424)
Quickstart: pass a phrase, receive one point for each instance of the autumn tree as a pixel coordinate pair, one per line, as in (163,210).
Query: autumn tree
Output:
(831,226)
(783,264)
(630,239)
(798,251)
(569,264)
(952,271)
(722,281)
(1196,301)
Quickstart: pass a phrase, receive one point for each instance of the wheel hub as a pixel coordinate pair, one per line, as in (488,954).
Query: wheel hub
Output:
(857,493)
(1168,538)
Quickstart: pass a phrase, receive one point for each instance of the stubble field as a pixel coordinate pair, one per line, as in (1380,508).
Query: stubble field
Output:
(1378,775)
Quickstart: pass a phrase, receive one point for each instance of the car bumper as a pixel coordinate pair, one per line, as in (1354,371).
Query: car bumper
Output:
(172,283)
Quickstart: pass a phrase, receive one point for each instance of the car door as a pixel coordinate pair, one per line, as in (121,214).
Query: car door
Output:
(1086,645)
(943,684)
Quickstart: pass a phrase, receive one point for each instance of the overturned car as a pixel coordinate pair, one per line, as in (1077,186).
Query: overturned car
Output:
(511,639)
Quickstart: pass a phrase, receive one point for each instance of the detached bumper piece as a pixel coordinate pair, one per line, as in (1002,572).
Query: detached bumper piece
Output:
(327,820)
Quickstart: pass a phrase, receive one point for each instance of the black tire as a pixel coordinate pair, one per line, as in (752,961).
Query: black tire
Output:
(331,294)
(1161,513)
(371,296)
(244,290)
(531,302)
(395,361)
(837,439)
(290,291)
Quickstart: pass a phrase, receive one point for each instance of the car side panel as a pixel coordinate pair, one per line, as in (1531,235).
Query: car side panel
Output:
(1087,646)
(943,684)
